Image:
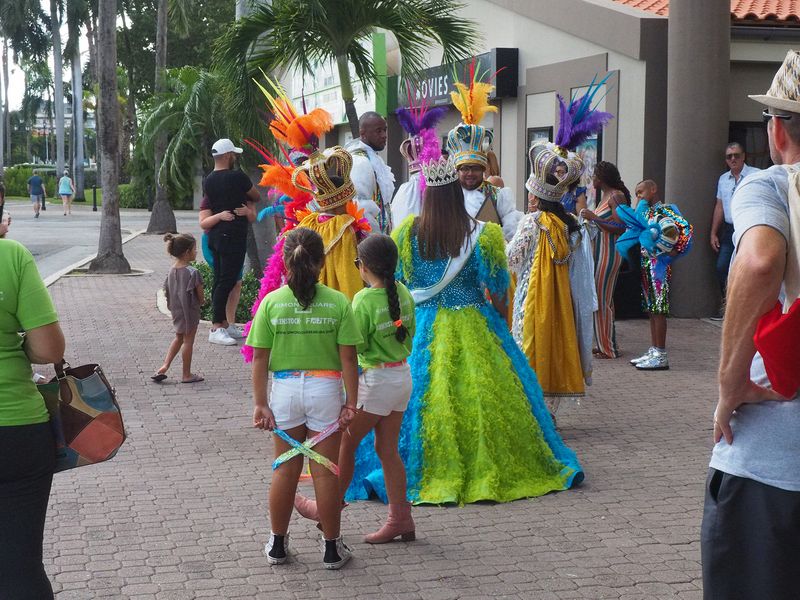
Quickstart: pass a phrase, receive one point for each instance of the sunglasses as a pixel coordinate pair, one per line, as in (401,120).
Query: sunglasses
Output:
(357,262)
(768,115)
(733,155)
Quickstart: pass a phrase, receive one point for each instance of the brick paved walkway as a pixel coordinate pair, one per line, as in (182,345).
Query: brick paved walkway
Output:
(180,512)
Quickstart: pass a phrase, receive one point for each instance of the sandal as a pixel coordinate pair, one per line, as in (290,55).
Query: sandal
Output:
(158,377)
(193,379)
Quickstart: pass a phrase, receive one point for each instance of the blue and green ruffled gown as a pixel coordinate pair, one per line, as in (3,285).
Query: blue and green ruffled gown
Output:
(476,427)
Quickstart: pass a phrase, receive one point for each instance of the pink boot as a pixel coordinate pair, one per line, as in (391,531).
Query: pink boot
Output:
(306,507)
(399,523)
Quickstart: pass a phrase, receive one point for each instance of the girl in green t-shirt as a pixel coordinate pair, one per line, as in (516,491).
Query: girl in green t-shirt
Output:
(306,335)
(385,315)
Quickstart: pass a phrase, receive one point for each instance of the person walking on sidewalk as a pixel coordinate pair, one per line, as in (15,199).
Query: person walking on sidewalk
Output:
(306,335)
(230,195)
(37,192)
(27,447)
(66,189)
(184,291)
(750,536)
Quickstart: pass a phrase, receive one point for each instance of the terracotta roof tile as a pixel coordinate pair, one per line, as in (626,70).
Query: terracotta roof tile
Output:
(785,12)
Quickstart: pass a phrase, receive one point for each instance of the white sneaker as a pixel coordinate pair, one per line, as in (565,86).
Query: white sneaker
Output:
(235,332)
(221,337)
(644,357)
(657,362)
(276,558)
(337,558)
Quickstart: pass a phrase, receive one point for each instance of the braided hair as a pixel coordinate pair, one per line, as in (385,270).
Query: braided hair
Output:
(303,255)
(378,253)
(608,173)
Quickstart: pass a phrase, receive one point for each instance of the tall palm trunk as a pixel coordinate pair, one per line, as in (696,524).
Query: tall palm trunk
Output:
(77,123)
(6,116)
(347,94)
(110,258)
(162,219)
(58,80)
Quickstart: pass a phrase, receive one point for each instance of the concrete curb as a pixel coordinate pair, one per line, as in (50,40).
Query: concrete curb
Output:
(51,279)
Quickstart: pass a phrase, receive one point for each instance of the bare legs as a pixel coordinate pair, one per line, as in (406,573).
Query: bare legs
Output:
(183,343)
(66,200)
(658,331)
(326,485)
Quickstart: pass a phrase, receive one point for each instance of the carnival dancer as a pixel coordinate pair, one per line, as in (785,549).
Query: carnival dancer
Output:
(305,334)
(548,239)
(468,144)
(664,235)
(372,177)
(607,262)
(476,427)
(385,314)
(422,145)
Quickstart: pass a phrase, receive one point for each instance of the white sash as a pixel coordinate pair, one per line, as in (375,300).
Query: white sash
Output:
(454,266)
(792,277)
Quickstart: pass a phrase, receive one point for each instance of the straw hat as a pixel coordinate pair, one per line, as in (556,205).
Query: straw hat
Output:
(784,93)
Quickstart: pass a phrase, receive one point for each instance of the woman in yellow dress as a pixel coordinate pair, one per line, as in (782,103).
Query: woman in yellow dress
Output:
(546,242)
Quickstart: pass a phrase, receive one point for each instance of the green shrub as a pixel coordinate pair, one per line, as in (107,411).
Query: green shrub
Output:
(132,195)
(16,180)
(250,286)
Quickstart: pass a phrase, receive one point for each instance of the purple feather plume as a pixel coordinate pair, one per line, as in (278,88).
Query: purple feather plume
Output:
(416,118)
(408,120)
(430,118)
(578,122)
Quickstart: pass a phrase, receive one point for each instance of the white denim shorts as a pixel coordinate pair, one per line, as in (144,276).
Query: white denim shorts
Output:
(306,399)
(384,390)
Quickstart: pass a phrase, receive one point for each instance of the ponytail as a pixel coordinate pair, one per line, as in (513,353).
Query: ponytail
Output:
(303,255)
(179,244)
(378,253)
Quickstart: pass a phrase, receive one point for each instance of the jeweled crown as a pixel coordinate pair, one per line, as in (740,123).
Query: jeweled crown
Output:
(544,158)
(469,144)
(440,172)
(319,167)
(411,148)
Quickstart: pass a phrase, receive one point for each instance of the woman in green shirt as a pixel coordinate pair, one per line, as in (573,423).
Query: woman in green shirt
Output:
(27,449)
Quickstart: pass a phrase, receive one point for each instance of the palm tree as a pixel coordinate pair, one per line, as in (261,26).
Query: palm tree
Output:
(192,113)
(162,219)
(77,15)
(58,76)
(306,33)
(110,258)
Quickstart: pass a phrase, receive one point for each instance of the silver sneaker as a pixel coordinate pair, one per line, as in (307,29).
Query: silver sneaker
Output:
(657,362)
(650,351)
(276,560)
(338,559)
(235,331)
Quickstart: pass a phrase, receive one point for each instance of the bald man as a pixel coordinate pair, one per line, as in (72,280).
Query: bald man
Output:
(372,177)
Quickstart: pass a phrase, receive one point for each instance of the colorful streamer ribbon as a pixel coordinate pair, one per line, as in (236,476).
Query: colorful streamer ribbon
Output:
(306,448)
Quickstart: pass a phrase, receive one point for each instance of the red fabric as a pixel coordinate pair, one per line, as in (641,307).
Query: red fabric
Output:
(777,339)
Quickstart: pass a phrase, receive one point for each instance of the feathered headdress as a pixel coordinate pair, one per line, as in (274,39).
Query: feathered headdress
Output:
(580,120)
(420,122)
(298,130)
(469,142)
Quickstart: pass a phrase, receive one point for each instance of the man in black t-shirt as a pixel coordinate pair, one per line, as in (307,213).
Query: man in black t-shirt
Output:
(227,207)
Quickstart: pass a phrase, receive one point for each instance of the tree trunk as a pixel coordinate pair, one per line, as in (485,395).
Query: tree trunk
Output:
(6,116)
(58,82)
(110,258)
(77,123)
(162,219)
(91,27)
(347,94)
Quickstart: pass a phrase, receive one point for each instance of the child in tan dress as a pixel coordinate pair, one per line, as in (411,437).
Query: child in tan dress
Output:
(184,290)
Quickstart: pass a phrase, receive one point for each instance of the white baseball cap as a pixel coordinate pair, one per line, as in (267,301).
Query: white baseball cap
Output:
(224,146)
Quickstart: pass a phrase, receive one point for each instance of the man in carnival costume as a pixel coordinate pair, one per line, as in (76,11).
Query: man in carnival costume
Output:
(372,178)
(420,147)
(468,144)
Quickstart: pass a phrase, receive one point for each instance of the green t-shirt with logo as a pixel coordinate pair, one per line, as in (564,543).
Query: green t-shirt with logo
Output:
(380,345)
(24,305)
(304,340)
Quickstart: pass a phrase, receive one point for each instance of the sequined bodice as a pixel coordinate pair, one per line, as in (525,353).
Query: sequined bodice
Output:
(464,290)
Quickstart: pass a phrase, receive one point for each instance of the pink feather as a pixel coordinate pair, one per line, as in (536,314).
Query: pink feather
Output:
(431,150)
